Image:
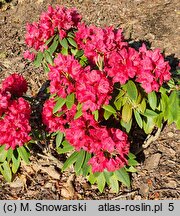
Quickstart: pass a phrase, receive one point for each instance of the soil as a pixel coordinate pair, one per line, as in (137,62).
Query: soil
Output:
(154,21)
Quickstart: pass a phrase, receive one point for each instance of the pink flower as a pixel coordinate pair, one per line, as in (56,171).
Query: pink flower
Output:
(153,70)
(14,126)
(28,55)
(15,84)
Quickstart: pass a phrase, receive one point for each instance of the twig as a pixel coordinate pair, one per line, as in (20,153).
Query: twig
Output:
(52,158)
(151,138)
(125,195)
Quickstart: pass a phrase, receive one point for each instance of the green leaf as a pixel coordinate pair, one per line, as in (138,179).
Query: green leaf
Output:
(66,148)
(107,176)
(109,108)
(101,182)
(70,100)
(118,103)
(127,112)
(96,114)
(131,155)
(71,34)
(6,171)
(174,104)
(142,106)
(9,154)
(148,125)
(79,161)
(24,154)
(48,57)
(79,53)
(64,51)
(54,45)
(152,98)
(138,119)
(38,59)
(123,176)
(114,184)
(107,114)
(132,162)
(131,169)
(64,43)
(3,153)
(15,163)
(92,179)
(150,113)
(132,90)
(78,114)
(72,42)
(59,138)
(59,104)
(125,125)
(49,40)
(70,160)
(86,168)
(74,51)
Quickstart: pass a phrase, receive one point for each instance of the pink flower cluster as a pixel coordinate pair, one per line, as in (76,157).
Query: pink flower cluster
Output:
(14,113)
(91,87)
(121,62)
(109,146)
(55,20)
(15,84)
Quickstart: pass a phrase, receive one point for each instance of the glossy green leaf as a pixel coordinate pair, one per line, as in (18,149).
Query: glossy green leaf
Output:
(38,59)
(125,125)
(3,153)
(72,42)
(142,106)
(59,104)
(150,113)
(48,57)
(15,163)
(24,154)
(9,154)
(86,168)
(64,51)
(118,103)
(152,99)
(101,182)
(114,184)
(59,138)
(132,90)
(131,155)
(127,113)
(54,45)
(74,51)
(78,114)
(71,34)
(79,161)
(66,148)
(107,176)
(70,161)
(70,100)
(92,179)
(96,114)
(131,169)
(107,114)
(79,53)
(138,119)
(123,176)
(132,162)
(109,108)
(64,43)
(6,171)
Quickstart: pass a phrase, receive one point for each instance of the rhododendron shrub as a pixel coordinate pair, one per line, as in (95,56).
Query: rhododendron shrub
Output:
(101,89)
